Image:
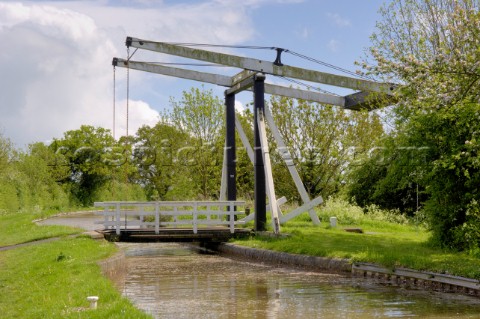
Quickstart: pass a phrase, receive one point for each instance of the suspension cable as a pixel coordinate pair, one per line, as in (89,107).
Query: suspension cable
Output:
(311,87)
(329,65)
(189,64)
(127,147)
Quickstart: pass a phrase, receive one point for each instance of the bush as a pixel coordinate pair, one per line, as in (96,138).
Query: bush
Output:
(8,195)
(346,213)
(115,191)
(349,214)
(468,234)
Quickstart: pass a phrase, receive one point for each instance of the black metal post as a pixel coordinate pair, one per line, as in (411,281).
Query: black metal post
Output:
(260,188)
(231,147)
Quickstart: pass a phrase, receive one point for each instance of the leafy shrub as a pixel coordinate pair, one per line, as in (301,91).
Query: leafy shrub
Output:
(346,213)
(468,234)
(388,215)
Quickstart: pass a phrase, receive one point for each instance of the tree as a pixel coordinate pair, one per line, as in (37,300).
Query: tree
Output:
(42,177)
(8,191)
(6,152)
(155,154)
(25,180)
(87,154)
(245,170)
(323,140)
(388,177)
(200,115)
(431,48)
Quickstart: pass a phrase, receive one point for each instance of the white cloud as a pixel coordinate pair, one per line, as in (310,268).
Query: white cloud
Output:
(54,72)
(304,33)
(339,20)
(333,45)
(139,114)
(55,61)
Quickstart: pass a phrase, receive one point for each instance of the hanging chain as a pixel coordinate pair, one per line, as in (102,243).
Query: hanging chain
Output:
(114,100)
(127,146)
(128,86)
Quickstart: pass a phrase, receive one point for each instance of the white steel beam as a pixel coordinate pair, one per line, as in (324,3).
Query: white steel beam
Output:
(287,158)
(282,200)
(223,183)
(261,66)
(233,82)
(268,171)
(244,139)
(248,147)
(307,206)
(217,79)
(321,98)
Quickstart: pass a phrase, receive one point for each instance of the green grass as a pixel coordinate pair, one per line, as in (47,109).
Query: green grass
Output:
(383,242)
(52,280)
(16,228)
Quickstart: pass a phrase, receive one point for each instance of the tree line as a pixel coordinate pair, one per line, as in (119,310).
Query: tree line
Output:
(181,157)
(430,164)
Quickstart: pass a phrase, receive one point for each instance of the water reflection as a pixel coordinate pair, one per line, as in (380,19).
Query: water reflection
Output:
(173,281)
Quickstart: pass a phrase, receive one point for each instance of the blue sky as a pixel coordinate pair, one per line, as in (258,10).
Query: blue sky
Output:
(56,64)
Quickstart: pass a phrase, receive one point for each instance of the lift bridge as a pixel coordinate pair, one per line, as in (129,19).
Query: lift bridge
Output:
(199,219)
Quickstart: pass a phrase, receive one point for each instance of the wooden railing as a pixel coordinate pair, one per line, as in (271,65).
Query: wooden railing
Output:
(141,215)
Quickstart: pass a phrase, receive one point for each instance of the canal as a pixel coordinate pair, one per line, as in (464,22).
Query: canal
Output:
(169,280)
(179,281)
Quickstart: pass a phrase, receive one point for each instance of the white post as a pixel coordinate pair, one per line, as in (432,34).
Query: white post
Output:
(105,216)
(231,209)
(195,218)
(333,222)
(117,217)
(248,147)
(268,173)
(244,138)
(93,301)
(157,218)
(287,158)
(223,185)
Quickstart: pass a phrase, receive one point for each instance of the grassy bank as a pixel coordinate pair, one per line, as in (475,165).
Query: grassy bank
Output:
(17,228)
(53,279)
(387,240)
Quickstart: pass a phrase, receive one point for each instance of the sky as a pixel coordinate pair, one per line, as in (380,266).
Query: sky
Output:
(55,56)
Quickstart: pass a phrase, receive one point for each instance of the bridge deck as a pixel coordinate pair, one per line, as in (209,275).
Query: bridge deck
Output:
(209,234)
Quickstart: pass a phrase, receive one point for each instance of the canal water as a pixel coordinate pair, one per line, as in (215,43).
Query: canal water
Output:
(178,281)
(169,280)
